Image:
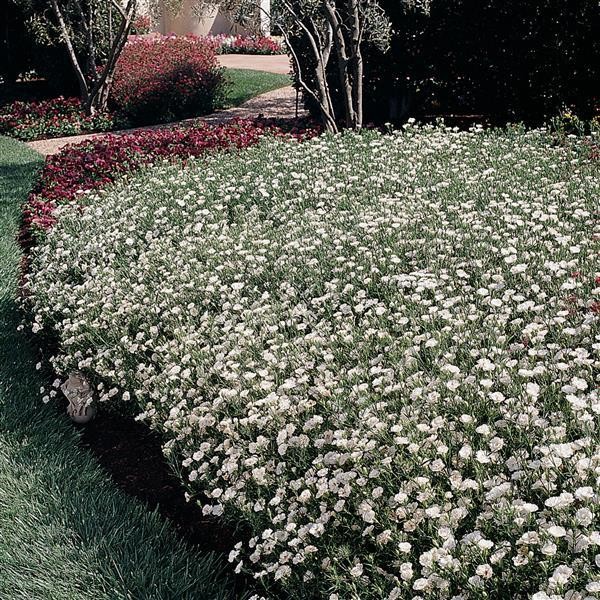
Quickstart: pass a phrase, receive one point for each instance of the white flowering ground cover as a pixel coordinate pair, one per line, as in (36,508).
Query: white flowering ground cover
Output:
(381,352)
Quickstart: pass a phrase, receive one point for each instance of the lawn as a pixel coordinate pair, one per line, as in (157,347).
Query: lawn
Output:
(246,83)
(380,352)
(66,532)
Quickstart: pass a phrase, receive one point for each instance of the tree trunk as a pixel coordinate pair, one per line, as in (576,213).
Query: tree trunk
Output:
(357,62)
(81,80)
(95,87)
(343,61)
(321,52)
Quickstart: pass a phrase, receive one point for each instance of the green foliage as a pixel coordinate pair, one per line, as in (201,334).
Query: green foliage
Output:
(506,59)
(243,84)
(43,27)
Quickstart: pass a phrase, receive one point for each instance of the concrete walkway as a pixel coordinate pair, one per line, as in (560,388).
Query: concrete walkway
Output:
(278,63)
(279,104)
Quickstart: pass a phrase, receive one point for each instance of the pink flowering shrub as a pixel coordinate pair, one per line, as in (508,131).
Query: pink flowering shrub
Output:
(142,25)
(94,163)
(243,44)
(50,118)
(162,79)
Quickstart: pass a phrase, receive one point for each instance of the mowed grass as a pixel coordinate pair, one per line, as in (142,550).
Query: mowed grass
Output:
(66,532)
(244,84)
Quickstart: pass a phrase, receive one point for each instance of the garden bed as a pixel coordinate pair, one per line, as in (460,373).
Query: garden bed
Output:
(377,351)
(159,79)
(93,164)
(244,44)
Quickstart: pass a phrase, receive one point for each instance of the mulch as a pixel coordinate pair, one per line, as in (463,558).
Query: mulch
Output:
(131,454)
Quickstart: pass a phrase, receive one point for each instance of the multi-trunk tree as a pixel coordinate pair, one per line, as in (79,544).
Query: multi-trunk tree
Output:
(335,31)
(93,32)
(94,78)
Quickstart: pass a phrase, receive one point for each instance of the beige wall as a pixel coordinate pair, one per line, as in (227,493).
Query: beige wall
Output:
(187,21)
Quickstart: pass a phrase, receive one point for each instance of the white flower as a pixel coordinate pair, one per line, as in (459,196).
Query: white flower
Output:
(584,516)
(549,548)
(561,501)
(366,512)
(484,571)
(561,575)
(584,493)
(557,531)
(406,571)
(421,584)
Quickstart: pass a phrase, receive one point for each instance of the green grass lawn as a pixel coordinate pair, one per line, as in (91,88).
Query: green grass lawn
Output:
(66,532)
(245,84)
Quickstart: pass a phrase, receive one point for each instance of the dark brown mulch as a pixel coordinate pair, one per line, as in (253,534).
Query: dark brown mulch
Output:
(132,456)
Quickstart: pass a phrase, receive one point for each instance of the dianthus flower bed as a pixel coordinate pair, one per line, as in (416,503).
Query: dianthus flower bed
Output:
(50,118)
(244,44)
(381,352)
(94,163)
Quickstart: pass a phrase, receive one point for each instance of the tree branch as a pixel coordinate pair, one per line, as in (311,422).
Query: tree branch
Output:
(83,85)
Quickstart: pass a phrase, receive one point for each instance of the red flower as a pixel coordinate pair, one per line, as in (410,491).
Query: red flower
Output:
(94,163)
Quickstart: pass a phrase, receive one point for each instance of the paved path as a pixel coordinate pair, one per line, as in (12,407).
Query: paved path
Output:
(278,63)
(279,104)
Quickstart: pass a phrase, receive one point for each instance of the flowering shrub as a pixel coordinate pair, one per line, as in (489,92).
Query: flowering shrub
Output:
(380,351)
(50,118)
(166,78)
(243,44)
(142,25)
(94,163)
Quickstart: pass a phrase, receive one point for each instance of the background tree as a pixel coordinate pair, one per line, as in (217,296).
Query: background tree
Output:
(493,60)
(93,33)
(335,33)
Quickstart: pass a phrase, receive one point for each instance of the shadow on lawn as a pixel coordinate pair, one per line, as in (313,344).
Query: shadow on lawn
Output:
(58,503)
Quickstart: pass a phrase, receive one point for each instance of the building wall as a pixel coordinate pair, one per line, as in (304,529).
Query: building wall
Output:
(188,21)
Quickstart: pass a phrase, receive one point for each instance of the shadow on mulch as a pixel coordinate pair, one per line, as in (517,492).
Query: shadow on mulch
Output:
(132,456)
(37,89)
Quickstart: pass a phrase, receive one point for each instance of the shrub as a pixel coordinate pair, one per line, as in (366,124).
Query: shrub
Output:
(50,118)
(162,79)
(243,44)
(94,163)
(379,351)
(142,25)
